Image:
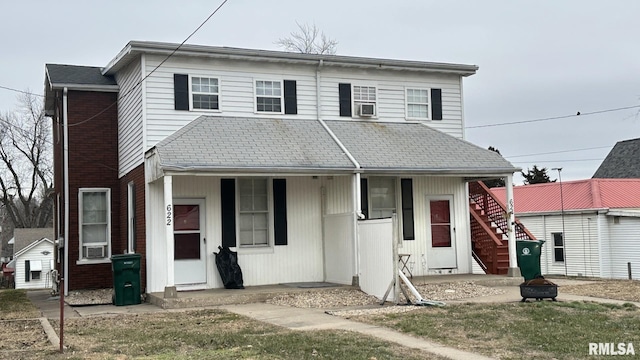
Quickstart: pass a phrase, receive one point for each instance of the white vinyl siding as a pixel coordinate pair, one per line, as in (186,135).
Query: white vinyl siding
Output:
(299,261)
(42,255)
(130,118)
(391,95)
(623,247)
(581,242)
(237,84)
(94,223)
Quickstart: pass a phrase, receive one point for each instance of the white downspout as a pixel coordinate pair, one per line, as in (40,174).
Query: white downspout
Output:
(356,179)
(514,270)
(65,121)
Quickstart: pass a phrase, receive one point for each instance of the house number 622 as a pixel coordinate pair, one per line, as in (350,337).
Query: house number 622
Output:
(169,215)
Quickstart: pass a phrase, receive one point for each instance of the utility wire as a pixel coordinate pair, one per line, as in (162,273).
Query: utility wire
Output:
(19,91)
(558,152)
(553,118)
(555,161)
(27,132)
(154,69)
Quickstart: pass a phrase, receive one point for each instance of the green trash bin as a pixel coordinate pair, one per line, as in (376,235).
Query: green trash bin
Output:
(126,279)
(528,255)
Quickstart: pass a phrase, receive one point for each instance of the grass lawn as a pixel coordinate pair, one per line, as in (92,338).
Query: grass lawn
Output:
(214,334)
(533,330)
(14,304)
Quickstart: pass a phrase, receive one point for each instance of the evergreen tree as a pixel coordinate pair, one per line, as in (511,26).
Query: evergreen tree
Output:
(499,182)
(536,176)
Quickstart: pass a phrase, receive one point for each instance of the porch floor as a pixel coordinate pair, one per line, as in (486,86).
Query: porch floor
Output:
(260,294)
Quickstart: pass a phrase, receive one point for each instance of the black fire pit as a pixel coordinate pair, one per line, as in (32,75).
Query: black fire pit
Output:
(538,289)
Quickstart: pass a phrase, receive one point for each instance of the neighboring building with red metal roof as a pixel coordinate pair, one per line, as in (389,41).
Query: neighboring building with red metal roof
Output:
(577,195)
(594,231)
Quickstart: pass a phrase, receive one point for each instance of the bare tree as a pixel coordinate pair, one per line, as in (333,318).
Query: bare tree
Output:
(26,164)
(308,40)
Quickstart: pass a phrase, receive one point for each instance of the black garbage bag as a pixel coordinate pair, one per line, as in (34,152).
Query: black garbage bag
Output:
(230,272)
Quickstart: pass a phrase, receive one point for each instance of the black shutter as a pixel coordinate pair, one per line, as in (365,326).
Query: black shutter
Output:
(228,204)
(290,99)
(27,270)
(364,199)
(436,104)
(406,186)
(181,91)
(280,211)
(344,94)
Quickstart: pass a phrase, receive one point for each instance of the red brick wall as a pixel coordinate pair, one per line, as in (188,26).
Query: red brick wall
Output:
(137,177)
(93,163)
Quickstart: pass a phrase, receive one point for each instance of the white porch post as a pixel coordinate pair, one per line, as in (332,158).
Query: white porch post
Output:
(170,288)
(514,270)
(357,210)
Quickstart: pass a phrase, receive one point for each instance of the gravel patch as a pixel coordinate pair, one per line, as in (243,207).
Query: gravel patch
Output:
(341,298)
(89,297)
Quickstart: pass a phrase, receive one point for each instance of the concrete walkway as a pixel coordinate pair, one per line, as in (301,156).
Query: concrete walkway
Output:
(316,319)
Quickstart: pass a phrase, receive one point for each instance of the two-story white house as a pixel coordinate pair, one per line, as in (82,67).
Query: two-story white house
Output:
(275,155)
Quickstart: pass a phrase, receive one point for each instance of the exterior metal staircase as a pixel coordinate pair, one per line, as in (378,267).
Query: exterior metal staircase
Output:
(489,237)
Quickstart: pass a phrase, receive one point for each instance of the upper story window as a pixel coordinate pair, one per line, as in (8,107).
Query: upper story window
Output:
(95,223)
(417,104)
(205,93)
(269,96)
(364,100)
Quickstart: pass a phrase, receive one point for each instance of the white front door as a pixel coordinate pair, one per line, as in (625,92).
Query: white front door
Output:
(441,247)
(189,242)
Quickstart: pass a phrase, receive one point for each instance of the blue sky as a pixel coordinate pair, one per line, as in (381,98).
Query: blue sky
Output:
(537,59)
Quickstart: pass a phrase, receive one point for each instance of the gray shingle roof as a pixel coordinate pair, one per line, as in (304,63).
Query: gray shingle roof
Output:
(24,237)
(78,75)
(622,162)
(228,143)
(209,143)
(414,147)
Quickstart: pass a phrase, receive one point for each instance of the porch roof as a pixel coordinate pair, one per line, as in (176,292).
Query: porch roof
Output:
(233,144)
(252,144)
(415,147)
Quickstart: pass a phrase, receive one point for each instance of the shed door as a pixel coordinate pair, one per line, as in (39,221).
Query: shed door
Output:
(441,247)
(189,242)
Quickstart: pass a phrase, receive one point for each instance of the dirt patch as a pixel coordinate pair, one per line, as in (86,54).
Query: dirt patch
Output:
(23,335)
(626,290)
(89,297)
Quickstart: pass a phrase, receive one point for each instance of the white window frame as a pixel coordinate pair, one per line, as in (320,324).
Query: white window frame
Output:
(564,254)
(255,96)
(191,93)
(396,194)
(81,258)
(354,102)
(407,103)
(260,247)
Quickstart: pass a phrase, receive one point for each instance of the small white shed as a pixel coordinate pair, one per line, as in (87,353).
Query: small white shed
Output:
(33,258)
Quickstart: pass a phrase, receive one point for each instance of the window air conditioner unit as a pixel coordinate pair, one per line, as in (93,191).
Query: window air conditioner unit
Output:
(367,110)
(95,252)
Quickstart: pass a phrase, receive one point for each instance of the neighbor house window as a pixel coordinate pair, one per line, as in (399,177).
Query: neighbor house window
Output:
(558,247)
(254,212)
(268,96)
(95,223)
(382,194)
(417,103)
(364,96)
(205,93)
